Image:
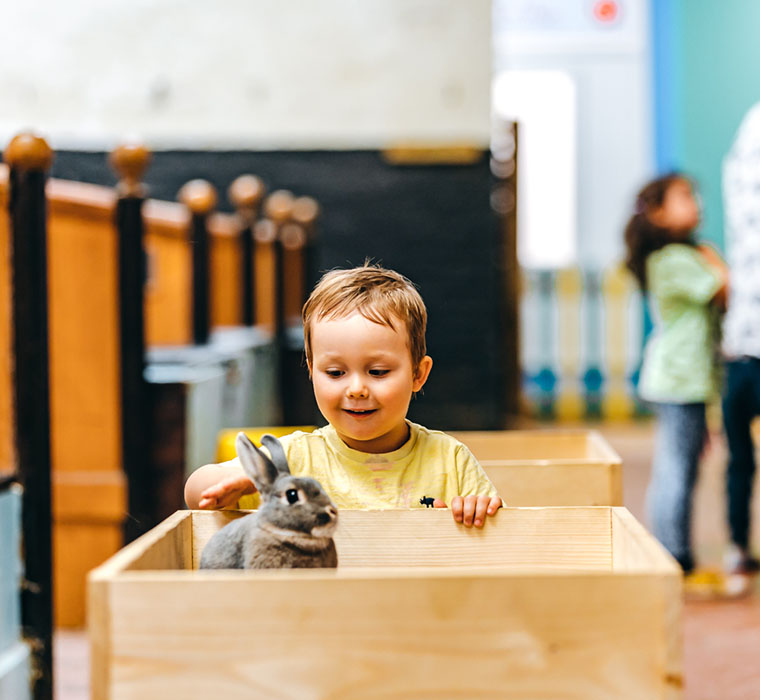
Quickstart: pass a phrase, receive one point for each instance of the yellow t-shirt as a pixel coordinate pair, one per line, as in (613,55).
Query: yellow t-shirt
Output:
(430,464)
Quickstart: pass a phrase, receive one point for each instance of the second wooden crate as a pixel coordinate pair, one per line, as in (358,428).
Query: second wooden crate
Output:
(549,467)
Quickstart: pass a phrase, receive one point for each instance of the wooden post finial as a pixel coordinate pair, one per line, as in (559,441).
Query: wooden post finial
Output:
(199,196)
(293,236)
(28,151)
(305,211)
(130,160)
(246,192)
(279,206)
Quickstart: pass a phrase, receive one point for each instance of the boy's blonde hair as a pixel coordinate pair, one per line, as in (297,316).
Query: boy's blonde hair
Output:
(379,295)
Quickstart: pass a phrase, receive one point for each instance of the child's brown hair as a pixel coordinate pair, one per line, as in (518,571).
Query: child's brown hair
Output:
(380,295)
(643,237)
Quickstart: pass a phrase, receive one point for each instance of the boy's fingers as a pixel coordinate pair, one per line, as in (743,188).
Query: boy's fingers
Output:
(481,510)
(439,503)
(494,504)
(468,511)
(457,508)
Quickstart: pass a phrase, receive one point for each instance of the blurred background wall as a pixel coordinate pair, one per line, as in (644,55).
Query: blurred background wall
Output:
(606,94)
(705,59)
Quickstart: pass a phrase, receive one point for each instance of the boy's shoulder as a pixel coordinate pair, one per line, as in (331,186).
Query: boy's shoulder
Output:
(431,433)
(302,439)
(429,438)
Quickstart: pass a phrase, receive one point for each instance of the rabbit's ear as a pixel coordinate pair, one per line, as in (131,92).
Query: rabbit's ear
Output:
(278,453)
(256,465)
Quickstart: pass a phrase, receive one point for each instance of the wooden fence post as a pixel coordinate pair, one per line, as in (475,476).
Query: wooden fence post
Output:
(278,209)
(199,196)
(245,193)
(29,158)
(130,162)
(305,214)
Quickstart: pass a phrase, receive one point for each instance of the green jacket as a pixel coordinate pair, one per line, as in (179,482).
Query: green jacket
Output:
(680,359)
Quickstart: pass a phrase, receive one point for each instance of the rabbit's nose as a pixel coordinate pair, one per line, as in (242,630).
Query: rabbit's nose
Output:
(330,513)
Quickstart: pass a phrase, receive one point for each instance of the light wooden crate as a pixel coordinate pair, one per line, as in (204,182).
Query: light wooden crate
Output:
(552,603)
(549,467)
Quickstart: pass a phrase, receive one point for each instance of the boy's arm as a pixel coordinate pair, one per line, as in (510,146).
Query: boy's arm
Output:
(216,486)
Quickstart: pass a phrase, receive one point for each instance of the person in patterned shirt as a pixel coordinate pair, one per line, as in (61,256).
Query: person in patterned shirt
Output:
(741,333)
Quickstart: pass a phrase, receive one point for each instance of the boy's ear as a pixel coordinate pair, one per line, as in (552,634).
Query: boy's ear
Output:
(422,373)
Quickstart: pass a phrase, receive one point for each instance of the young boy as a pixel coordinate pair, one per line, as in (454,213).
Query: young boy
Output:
(364,337)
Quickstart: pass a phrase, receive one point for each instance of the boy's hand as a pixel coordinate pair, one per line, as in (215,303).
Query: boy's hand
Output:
(226,492)
(471,510)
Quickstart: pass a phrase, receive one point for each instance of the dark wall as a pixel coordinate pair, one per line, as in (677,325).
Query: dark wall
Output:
(433,224)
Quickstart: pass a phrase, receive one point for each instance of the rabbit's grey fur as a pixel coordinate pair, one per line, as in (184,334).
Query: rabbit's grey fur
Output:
(280,534)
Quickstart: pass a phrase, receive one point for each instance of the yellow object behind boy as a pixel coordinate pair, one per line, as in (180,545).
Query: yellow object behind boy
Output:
(364,337)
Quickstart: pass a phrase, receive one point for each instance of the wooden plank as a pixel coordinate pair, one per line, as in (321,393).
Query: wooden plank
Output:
(528,445)
(168,301)
(89,496)
(397,636)
(100,637)
(84,350)
(80,200)
(548,484)
(634,548)
(529,538)
(265,301)
(167,293)
(78,547)
(600,448)
(166,546)
(295,287)
(225,269)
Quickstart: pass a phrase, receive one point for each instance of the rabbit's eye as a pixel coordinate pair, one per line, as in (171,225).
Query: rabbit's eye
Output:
(292,496)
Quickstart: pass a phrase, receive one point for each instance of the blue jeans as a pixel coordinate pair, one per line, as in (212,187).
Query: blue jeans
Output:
(741,403)
(678,443)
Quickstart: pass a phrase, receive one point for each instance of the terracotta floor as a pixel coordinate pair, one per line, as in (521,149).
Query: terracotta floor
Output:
(721,640)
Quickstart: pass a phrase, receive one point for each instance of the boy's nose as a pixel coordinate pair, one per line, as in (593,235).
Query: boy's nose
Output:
(357,388)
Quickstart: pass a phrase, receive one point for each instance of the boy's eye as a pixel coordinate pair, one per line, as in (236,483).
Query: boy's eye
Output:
(334,373)
(292,496)
(379,372)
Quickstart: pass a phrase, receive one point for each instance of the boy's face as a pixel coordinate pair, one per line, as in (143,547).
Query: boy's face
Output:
(364,379)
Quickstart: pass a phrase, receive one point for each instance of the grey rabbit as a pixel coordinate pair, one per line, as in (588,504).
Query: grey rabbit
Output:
(293,526)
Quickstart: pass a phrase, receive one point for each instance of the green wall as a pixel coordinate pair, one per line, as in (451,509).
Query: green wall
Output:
(717,80)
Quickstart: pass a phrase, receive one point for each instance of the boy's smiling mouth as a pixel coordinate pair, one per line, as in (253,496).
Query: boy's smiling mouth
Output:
(359,412)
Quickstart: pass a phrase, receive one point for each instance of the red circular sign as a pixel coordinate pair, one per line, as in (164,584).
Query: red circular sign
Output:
(606,10)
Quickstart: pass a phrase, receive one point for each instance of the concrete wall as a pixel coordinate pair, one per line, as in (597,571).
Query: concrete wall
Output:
(247,73)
